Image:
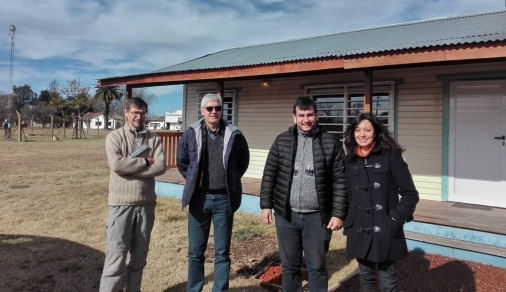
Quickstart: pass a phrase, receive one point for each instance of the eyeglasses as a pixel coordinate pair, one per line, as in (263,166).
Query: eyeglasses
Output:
(137,114)
(216,108)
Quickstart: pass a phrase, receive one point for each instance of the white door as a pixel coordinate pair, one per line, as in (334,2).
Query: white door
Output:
(477,151)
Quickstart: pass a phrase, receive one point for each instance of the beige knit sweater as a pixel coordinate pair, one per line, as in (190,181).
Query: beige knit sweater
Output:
(132,182)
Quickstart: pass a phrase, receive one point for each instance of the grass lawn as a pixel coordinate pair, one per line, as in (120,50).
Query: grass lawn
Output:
(53,210)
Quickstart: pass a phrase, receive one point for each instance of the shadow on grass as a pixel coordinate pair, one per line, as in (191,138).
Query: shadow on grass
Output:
(415,274)
(246,272)
(33,263)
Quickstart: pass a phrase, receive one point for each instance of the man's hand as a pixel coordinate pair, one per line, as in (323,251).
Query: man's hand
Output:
(335,224)
(151,160)
(267,216)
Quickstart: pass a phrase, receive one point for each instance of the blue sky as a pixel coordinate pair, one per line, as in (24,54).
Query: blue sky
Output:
(91,39)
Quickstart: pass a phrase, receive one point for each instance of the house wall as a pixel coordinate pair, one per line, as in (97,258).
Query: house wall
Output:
(263,113)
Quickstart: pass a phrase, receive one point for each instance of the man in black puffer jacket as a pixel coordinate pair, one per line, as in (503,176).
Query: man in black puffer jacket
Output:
(304,181)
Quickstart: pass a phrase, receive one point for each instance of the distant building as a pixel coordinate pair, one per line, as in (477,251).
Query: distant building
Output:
(156,123)
(96,121)
(173,120)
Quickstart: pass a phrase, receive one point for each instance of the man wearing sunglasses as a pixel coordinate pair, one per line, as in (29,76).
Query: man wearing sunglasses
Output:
(212,156)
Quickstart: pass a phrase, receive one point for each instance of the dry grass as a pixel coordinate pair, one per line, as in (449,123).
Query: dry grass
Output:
(53,211)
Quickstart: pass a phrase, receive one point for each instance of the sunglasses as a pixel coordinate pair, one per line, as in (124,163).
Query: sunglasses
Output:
(216,108)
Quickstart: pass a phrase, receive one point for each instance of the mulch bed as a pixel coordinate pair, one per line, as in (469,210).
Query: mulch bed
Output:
(272,276)
(427,272)
(417,273)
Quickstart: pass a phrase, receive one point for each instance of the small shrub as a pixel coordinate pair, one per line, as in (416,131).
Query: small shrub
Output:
(245,234)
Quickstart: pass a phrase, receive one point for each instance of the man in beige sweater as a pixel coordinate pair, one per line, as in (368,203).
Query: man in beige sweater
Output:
(132,197)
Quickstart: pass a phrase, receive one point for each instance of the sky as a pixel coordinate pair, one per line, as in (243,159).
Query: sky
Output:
(92,39)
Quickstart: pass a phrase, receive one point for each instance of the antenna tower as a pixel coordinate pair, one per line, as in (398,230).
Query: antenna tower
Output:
(12,33)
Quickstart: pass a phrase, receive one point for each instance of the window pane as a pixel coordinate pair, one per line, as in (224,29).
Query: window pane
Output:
(383,120)
(330,120)
(355,104)
(354,112)
(380,112)
(380,96)
(330,113)
(228,112)
(323,99)
(228,99)
(336,111)
(333,128)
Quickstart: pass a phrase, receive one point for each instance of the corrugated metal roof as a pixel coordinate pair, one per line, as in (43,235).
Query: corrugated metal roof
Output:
(474,28)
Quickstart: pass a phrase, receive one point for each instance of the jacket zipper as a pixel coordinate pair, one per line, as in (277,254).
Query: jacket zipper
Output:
(302,170)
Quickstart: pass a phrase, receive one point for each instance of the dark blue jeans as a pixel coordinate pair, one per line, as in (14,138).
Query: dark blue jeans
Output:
(387,276)
(305,233)
(205,208)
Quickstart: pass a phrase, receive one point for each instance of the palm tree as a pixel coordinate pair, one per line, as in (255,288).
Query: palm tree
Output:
(107,94)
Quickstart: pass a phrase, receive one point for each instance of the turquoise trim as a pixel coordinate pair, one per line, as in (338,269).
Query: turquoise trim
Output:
(444,141)
(169,189)
(466,255)
(480,237)
(250,204)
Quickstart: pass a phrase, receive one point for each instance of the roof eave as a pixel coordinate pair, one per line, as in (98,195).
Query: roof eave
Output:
(441,54)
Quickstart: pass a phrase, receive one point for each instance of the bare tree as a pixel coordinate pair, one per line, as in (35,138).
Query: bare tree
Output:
(77,95)
(143,93)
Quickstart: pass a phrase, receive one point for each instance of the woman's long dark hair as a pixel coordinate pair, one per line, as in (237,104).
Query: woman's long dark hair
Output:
(382,135)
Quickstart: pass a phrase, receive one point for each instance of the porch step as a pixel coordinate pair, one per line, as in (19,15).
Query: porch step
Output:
(459,244)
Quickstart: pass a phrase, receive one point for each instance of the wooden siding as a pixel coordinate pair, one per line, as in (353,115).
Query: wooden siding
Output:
(257,163)
(263,113)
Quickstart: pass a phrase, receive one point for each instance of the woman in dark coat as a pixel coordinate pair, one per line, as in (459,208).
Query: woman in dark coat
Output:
(376,174)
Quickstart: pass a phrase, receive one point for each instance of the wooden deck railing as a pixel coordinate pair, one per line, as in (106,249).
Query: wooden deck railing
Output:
(170,141)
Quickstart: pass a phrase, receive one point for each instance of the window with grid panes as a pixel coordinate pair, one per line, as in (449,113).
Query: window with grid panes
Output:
(337,105)
(228,103)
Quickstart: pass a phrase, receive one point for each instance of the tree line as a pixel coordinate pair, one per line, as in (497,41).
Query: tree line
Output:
(65,101)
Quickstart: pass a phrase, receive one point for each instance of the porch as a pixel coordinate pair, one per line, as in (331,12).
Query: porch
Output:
(463,231)
(486,219)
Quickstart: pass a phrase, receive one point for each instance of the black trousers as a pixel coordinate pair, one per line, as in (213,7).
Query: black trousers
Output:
(387,276)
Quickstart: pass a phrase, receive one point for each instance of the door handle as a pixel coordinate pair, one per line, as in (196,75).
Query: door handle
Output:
(500,138)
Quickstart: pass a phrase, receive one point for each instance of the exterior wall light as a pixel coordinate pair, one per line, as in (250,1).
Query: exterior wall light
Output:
(265,83)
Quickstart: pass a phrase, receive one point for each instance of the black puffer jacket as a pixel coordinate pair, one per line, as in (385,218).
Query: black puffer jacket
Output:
(329,168)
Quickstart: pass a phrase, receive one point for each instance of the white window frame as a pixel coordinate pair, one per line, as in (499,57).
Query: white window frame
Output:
(227,105)
(345,90)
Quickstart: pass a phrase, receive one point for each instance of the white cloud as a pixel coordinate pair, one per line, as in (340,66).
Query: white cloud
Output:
(68,39)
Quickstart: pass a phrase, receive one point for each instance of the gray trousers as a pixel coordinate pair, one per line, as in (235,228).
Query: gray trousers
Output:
(128,229)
